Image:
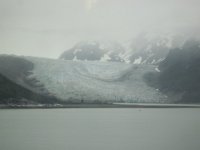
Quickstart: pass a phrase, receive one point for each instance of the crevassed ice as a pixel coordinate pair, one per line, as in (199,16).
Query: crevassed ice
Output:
(102,81)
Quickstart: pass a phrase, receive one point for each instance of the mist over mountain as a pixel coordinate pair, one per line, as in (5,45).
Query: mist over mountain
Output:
(146,48)
(179,74)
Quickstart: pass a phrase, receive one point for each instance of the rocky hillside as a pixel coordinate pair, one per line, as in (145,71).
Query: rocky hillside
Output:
(12,93)
(179,75)
(143,49)
(95,51)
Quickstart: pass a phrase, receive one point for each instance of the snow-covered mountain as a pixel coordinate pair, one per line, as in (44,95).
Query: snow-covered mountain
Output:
(95,51)
(91,81)
(143,49)
(151,48)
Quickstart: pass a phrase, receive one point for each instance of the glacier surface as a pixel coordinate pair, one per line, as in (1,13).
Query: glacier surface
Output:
(95,81)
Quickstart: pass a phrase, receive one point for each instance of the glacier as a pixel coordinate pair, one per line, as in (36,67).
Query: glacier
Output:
(95,81)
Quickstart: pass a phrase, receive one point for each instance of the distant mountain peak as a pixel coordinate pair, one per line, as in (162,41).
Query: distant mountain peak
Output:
(94,51)
(145,48)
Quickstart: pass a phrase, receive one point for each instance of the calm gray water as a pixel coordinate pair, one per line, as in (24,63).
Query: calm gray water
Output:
(100,129)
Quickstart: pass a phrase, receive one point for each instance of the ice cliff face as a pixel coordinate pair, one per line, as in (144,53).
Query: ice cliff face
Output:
(94,81)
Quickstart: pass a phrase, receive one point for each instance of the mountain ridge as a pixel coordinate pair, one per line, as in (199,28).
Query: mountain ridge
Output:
(143,49)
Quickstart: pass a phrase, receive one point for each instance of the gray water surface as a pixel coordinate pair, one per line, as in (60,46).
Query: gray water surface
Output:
(100,129)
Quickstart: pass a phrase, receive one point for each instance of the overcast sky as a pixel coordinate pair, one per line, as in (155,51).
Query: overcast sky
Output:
(46,28)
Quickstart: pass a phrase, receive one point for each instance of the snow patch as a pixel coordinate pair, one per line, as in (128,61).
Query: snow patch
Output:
(157,69)
(75,58)
(153,61)
(138,60)
(105,58)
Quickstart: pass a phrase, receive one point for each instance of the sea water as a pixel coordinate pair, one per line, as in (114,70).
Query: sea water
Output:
(100,129)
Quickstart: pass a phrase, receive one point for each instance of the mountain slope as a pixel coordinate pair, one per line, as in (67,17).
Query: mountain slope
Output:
(149,48)
(12,93)
(17,69)
(179,75)
(144,49)
(94,51)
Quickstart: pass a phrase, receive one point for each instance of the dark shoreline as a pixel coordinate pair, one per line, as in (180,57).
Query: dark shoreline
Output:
(100,106)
